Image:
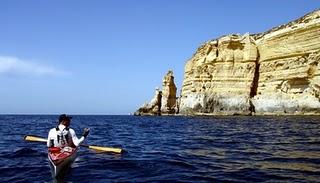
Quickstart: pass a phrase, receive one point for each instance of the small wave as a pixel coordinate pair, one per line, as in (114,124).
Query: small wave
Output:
(23,152)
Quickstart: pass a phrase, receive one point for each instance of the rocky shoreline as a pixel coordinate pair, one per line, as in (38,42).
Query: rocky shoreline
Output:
(271,73)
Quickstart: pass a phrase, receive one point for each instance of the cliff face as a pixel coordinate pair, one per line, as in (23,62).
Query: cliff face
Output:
(289,68)
(276,72)
(219,77)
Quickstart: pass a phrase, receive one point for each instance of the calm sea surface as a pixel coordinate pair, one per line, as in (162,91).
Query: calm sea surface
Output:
(170,149)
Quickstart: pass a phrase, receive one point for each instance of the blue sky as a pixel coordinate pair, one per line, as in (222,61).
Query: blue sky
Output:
(107,57)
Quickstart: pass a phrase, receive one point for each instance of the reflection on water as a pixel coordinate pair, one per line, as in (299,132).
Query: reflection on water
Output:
(61,178)
(294,154)
(309,167)
(206,153)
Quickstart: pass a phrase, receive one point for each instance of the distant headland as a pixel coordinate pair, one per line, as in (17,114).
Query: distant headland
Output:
(272,73)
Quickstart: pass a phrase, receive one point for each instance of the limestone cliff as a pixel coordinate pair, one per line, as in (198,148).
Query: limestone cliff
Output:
(289,74)
(219,77)
(276,72)
(164,102)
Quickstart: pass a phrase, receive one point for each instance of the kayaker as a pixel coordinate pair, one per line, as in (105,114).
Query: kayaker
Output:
(63,136)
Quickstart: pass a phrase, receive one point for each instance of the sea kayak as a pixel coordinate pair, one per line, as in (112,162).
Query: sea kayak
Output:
(61,159)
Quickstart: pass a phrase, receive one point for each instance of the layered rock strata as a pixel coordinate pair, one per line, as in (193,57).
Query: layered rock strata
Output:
(276,72)
(164,102)
(289,74)
(219,77)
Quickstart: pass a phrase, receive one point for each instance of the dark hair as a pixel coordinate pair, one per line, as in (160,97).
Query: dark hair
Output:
(64,117)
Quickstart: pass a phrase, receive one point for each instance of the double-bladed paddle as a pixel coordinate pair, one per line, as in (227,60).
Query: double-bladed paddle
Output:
(32,138)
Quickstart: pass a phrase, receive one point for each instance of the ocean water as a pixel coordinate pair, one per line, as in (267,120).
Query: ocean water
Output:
(170,149)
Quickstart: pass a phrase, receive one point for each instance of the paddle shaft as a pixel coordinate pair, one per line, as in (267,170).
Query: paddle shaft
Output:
(32,138)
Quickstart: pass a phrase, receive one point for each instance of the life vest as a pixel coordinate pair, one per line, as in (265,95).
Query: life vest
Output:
(63,137)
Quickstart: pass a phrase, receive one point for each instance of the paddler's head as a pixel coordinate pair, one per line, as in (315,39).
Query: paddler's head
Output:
(65,120)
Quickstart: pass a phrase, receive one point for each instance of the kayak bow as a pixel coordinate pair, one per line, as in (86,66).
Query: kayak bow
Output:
(61,159)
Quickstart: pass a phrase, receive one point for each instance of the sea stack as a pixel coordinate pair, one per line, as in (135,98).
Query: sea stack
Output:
(164,102)
(169,91)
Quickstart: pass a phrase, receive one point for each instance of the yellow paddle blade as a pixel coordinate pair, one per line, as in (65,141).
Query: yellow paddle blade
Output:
(34,139)
(98,148)
(106,149)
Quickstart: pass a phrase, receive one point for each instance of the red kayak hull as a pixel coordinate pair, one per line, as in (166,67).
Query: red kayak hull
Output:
(61,159)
